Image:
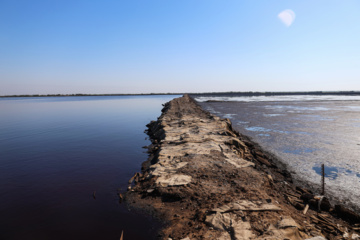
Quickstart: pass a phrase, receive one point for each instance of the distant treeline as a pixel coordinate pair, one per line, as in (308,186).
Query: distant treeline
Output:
(200,94)
(84,95)
(276,93)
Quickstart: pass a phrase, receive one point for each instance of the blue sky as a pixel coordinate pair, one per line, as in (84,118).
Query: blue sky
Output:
(141,46)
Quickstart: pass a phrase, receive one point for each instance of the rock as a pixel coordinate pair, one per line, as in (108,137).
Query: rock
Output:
(307,197)
(224,236)
(299,206)
(166,167)
(264,161)
(238,162)
(325,204)
(242,230)
(302,190)
(229,222)
(219,221)
(173,180)
(287,222)
(355,236)
(316,238)
(347,214)
(313,203)
(283,233)
(246,205)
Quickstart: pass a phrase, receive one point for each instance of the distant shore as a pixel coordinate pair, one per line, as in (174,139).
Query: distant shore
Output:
(89,95)
(321,93)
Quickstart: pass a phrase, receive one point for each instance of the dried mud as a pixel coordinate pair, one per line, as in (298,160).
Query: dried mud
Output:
(206,181)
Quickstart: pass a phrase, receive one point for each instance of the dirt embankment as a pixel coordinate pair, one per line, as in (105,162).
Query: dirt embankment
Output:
(206,181)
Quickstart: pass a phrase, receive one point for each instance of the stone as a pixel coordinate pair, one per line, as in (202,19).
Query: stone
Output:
(242,230)
(347,214)
(219,221)
(316,238)
(287,222)
(228,222)
(246,205)
(173,180)
(355,236)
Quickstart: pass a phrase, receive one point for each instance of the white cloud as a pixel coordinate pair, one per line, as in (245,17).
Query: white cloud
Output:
(287,17)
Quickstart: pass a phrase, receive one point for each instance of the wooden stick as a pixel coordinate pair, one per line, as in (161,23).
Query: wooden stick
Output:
(323,179)
(306,209)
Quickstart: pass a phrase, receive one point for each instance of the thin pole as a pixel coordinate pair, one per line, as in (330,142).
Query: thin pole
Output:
(322,179)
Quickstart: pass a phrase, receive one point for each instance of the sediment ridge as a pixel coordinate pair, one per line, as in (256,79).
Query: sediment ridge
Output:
(204,180)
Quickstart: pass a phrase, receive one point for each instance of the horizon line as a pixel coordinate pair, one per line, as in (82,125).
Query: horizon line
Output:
(247,93)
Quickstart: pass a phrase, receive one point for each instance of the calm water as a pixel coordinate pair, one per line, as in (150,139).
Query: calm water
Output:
(304,131)
(55,152)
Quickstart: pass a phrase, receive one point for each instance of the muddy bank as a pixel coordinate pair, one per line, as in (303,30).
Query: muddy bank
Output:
(206,181)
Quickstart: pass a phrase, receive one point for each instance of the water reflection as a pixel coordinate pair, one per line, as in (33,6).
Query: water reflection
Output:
(55,152)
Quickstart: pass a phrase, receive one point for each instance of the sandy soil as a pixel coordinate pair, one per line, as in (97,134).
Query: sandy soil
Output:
(206,181)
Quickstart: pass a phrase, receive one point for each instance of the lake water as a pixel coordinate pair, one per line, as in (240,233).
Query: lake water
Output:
(56,151)
(303,131)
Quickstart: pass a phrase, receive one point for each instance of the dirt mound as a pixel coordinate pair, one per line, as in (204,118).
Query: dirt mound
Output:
(206,181)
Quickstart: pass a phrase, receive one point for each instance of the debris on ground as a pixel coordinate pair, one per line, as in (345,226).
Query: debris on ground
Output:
(206,181)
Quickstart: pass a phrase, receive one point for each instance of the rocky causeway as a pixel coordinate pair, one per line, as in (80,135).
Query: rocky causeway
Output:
(204,180)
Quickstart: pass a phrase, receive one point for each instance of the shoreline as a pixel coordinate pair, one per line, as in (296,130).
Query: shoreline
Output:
(207,181)
(204,94)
